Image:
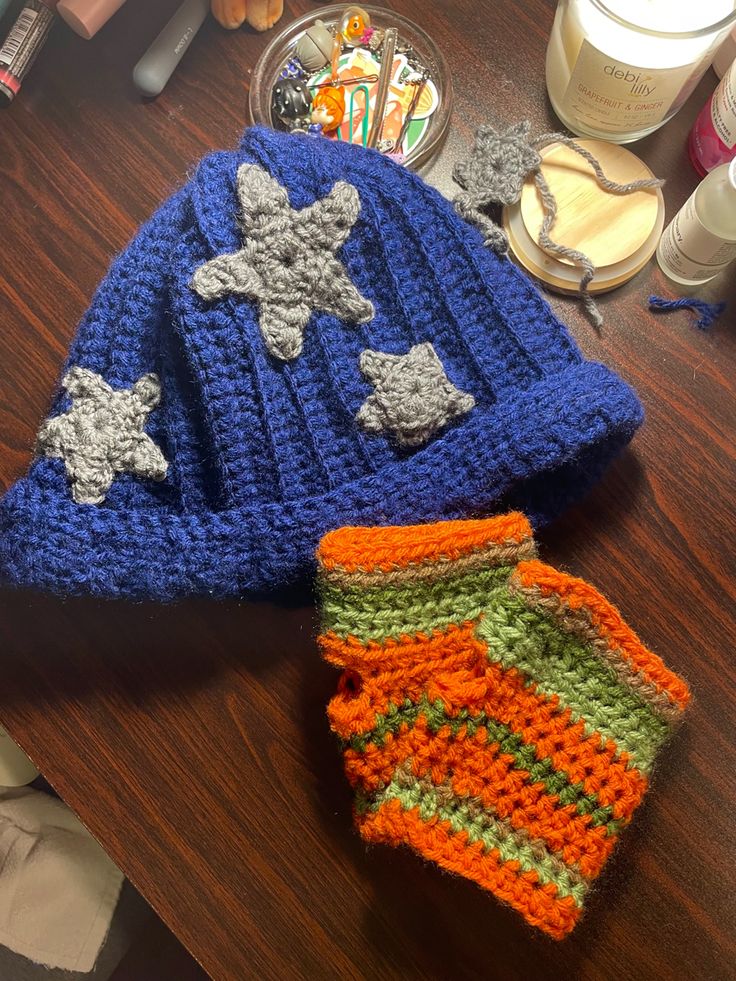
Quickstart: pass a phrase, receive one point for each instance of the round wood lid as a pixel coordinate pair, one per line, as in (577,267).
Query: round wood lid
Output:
(619,232)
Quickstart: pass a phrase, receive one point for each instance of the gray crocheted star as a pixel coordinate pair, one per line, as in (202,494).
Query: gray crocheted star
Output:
(498,165)
(287,262)
(102,434)
(494,173)
(413,396)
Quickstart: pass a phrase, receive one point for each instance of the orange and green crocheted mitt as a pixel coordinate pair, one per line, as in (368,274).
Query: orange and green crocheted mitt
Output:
(496,715)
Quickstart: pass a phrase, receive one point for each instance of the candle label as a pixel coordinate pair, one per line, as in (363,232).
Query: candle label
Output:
(690,249)
(610,95)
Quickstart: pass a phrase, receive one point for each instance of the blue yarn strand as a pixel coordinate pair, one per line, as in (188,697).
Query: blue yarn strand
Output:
(709,312)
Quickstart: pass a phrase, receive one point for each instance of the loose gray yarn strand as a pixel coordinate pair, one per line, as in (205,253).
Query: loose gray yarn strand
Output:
(493,234)
(550,214)
(604,181)
(579,258)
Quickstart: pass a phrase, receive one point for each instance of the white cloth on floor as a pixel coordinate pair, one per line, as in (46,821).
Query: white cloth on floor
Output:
(58,888)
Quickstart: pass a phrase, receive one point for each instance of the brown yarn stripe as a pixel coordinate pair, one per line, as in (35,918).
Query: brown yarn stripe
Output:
(580,624)
(432,570)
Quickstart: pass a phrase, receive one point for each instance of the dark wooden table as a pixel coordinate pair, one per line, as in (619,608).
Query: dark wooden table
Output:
(192,739)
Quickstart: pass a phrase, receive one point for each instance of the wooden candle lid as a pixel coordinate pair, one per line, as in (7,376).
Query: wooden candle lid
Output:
(619,232)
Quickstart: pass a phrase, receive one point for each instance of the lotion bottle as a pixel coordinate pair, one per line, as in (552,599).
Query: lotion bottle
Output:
(700,241)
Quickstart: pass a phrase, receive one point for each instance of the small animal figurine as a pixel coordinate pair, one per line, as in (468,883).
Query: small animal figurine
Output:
(229,13)
(314,47)
(260,14)
(291,101)
(353,25)
(328,108)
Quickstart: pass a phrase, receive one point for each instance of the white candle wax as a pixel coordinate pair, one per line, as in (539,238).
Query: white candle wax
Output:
(608,79)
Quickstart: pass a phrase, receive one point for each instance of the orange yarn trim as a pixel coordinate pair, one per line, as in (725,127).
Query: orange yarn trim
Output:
(478,769)
(577,594)
(405,652)
(363,549)
(539,904)
(436,665)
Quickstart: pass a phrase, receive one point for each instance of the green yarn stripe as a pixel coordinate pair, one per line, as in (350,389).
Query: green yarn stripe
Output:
(558,663)
(532,855)
(556,782)
(379,613)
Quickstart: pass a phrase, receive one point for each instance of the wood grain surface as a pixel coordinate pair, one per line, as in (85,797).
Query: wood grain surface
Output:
(192,739)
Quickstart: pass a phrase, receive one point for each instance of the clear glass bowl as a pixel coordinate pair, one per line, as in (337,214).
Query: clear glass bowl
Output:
(281,48)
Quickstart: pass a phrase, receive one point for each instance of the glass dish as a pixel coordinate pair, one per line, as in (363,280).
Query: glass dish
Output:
(281,48)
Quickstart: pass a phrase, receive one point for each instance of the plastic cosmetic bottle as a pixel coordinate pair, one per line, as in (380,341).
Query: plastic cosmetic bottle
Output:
(700,241)
(713,137)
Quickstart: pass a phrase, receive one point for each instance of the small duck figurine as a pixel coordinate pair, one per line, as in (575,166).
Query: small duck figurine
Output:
(353,25)
(328,108)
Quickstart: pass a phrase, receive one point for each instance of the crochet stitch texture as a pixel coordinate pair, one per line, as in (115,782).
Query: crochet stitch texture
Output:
(265,455)
(287,261)
(102,434)
(496,715)
(413,396)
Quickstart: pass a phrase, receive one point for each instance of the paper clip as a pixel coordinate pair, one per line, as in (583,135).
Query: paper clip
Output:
(396,147)
(345,81)
(364,122)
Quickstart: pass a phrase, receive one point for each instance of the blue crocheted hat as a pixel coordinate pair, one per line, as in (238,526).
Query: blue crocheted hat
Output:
(305,336)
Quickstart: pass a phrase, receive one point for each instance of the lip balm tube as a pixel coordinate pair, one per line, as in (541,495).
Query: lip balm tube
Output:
(157,65)
(86,17)
(20,48)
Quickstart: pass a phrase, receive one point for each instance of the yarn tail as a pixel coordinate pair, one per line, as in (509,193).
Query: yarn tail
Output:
(579,258)
(709,312)
(550,213)
(494,237)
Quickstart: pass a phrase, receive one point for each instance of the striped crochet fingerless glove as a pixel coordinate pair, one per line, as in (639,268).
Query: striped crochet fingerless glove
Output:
(496,715)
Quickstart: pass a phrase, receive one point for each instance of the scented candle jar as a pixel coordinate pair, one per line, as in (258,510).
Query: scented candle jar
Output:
(619,70)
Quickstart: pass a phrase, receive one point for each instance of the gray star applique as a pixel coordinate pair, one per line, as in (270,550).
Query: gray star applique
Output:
(101,435)
(413,396)
(287,262)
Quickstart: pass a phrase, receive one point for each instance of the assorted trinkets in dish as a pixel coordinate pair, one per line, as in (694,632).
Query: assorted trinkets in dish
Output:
(363,74)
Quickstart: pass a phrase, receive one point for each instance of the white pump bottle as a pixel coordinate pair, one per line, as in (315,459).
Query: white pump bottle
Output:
(700,241)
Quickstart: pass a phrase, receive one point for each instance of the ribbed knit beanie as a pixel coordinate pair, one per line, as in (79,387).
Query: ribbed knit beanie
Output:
(496,715)
(305,336)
